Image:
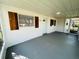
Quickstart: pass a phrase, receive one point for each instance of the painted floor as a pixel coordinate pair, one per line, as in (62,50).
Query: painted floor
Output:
(51,46)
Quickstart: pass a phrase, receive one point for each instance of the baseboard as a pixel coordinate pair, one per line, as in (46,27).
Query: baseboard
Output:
(59,31)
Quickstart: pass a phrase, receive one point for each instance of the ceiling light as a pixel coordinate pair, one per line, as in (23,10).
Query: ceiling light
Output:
(58,13)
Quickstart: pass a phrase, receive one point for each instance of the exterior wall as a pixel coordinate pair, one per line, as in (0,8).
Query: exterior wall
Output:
(60,25)
(24,33)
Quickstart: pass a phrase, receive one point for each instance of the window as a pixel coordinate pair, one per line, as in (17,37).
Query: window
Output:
(25,20)
(52,22)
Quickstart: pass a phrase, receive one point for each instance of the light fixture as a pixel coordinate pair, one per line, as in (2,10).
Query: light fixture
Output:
(58,13)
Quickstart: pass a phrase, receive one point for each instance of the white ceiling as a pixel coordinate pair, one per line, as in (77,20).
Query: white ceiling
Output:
(68,8)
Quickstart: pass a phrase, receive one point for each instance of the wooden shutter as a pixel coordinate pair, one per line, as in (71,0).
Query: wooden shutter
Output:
(13,20)
(54,22)
(51,22)
(36,22)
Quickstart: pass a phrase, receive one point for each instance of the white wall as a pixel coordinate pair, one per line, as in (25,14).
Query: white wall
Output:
(24,33)
(60,24)
(3,50)
(52,28)
(49,29)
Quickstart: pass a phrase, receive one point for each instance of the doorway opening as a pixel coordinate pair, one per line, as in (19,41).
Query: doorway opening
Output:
(72,25)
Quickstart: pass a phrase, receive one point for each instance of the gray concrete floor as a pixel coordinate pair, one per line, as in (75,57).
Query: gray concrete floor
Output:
(52,46)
